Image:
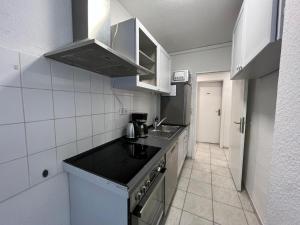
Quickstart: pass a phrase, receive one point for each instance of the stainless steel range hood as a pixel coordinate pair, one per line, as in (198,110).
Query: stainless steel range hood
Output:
(91,47)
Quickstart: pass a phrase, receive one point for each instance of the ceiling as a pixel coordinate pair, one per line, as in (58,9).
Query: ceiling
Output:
(186,24)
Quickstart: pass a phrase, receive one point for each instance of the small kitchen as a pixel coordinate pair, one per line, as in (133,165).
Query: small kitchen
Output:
(80,124)
(99,110)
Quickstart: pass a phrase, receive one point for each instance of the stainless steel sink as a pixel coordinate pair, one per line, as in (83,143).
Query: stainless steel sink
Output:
(164,131)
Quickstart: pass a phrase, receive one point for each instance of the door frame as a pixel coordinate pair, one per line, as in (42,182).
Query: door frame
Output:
(221,130)
(220,76)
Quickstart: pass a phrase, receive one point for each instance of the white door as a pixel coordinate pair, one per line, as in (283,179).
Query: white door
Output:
(237,130)
(209,111)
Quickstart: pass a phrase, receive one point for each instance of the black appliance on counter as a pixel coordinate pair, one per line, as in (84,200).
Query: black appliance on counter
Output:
(139,120)
(176,107)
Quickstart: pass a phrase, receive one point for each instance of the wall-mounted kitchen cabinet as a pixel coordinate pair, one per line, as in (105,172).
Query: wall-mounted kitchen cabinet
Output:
(133,40)
(257,39)
(164,71)
(237,44)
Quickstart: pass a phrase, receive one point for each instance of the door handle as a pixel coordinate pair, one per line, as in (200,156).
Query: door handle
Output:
(242,124)
(239,123)
(219,112)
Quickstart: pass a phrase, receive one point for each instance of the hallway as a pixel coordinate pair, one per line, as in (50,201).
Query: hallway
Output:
(206,194)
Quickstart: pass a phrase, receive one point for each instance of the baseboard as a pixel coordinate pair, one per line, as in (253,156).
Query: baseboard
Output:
(258,216)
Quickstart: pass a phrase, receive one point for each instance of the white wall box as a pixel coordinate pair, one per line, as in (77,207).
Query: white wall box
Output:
(133,40)
(257,39)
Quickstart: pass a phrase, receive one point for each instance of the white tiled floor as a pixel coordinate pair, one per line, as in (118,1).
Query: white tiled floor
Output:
(206,194)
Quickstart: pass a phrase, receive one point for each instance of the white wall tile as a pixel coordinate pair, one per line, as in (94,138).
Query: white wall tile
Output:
(98,124)
(82,80)
(117,120)
(11,110)
(96,83)
(14,178)
(10,68)
(98,140)
(84,145)
(118,103)
(65,130)
(124,120)
(83,104)
(109,136)
(44,204)
(109,123)
(40,162)
(84,127)
(126,100)
(65,152)
(40,136)
(120,121)
(107,86)
(109,103)
(64,104)
(35,72)
(62,77)
(118,133)
(12,142)
(38,104)
(97,103)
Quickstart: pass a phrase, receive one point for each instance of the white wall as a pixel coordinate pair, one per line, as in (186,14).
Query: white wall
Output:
(49,111)
(118,12)
(258,145)
(224,77)
(203,60)
(283,204)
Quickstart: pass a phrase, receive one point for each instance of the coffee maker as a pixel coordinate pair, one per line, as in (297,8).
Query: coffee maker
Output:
(139,120)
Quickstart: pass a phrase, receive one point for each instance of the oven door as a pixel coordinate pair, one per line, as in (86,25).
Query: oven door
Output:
(150,210)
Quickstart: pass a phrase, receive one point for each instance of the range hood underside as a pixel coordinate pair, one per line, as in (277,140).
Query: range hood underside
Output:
(97,57)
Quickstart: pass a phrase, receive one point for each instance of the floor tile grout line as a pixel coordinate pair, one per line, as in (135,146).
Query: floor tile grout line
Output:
(242,206)
(212,194)
(197,216)
(186,191)
(237,193)
(185,194)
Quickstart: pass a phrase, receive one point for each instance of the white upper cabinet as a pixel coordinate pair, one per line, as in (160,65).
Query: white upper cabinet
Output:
(260,26)
(132,39)
(238,44)
(164,71)
(256,45)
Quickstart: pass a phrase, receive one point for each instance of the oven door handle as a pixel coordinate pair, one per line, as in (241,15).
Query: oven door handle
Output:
(138,211)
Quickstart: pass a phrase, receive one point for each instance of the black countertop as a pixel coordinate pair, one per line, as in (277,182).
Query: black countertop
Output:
(118,160)
(113,163)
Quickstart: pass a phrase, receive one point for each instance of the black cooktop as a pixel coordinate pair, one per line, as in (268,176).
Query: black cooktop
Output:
(118,161)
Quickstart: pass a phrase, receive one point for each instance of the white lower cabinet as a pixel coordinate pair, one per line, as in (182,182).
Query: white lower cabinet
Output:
(182,149)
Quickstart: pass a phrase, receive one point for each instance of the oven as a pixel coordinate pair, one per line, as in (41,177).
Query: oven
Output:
(150,201)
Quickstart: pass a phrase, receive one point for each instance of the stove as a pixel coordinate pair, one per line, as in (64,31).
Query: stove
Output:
(118,161)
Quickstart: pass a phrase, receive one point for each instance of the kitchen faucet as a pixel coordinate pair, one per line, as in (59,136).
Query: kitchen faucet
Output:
(157,123)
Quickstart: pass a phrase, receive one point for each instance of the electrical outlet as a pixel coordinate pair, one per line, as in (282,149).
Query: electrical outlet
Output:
(123,111)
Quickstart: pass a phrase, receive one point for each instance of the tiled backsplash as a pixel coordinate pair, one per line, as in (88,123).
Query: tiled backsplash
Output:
(50,111)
